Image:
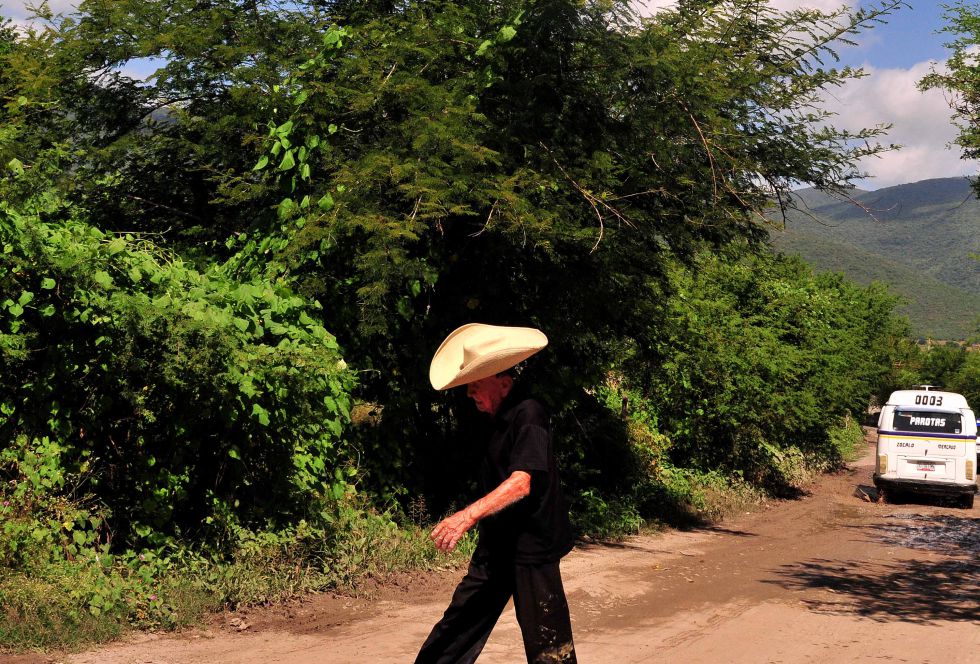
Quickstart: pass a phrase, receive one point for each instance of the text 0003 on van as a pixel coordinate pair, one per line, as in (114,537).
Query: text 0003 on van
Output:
(927,443)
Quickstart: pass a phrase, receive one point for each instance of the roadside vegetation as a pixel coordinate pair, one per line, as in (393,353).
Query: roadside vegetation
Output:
(220,288)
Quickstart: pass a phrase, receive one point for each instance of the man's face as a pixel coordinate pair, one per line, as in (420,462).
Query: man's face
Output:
(489,393)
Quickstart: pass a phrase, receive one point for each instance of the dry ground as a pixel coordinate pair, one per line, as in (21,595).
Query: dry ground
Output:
(828,578)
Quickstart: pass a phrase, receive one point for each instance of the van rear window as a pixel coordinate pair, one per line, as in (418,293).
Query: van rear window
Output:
(928,421)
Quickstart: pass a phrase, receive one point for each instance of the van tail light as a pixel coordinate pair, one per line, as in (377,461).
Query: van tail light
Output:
(969,469)
(882,464)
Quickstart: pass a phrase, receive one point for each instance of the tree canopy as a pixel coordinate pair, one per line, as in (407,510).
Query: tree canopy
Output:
(410,166)
(961,76)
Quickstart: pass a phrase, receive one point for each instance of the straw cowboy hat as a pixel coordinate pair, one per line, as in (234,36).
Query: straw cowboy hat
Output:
(476,351)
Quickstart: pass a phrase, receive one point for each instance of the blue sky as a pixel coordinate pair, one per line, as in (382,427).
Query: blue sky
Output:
(895,55)
(909,37)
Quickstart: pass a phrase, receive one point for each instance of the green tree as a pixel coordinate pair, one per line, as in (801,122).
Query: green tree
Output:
(760,356)
(966,381)
(431,162)
(961,76)
(538,162)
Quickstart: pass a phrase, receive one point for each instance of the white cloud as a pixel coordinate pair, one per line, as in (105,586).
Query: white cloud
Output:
(920,120)
(18,9)
(921,124)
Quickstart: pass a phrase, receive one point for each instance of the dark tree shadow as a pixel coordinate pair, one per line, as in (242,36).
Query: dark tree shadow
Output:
(916,591)
(602,545)
(912,498)
(726,531)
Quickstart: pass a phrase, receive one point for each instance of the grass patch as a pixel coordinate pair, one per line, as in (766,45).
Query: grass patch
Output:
(71,604)
(40,613)
(96,597)
(269,568)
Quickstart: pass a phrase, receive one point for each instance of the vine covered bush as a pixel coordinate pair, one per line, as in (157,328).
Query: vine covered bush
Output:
(182,400)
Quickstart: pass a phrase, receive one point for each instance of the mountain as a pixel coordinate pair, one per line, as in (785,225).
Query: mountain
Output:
(917,238)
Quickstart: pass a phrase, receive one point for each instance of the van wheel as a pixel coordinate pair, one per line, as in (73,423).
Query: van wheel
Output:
(967,501)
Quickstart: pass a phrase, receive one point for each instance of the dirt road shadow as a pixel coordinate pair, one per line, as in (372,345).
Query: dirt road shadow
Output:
(917,591)
(914,591)
(950,534)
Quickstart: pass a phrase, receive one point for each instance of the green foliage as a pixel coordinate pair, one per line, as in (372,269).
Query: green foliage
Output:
(951,366)
(40,524)
(38,613)
(761,357)
(966,380)
(960,76)
(936,310)
(463,181)
(605,518)
(357,541)
(847,440)
(62,584)
(182,398)
(755,381)
(417,165)
(641,485)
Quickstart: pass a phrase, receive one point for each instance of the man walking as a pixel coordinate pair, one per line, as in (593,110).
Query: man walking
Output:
(522,516)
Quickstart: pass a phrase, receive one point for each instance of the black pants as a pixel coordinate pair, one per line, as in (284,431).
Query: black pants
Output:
(539,601)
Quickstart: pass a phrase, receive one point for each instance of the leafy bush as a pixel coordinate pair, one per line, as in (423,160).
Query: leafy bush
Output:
(359,542)
(760,357)
(38,612)
(183,400)
(847,440)
(622,478)
(754,382)
(434,163)
(966,381)
(61,584)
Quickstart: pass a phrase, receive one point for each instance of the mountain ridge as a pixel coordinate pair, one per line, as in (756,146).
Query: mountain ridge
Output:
(917,238)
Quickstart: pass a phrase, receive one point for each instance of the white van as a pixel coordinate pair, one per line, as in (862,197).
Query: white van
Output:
(927,443)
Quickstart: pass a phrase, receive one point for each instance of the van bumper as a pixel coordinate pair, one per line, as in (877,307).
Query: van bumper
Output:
(930,488)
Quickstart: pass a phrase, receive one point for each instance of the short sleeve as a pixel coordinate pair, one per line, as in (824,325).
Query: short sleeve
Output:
(530,451)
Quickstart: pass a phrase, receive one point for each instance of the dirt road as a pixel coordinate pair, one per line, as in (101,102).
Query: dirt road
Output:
(828,578)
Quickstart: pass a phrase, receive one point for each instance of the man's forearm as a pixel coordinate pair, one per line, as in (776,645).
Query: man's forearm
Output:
(512,489)
(448,532)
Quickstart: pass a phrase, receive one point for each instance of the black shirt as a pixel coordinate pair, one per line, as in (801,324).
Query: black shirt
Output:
(535,529)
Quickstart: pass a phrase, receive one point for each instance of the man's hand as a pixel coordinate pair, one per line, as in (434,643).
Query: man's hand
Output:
(451,529)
